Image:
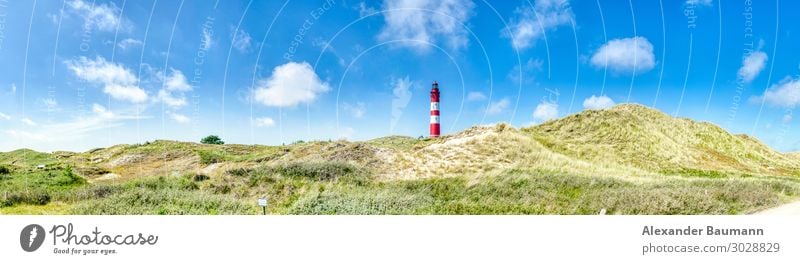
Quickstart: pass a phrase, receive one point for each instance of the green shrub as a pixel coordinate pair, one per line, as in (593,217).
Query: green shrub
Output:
(315,170)
(35,197)
(200,177)
(90,192)
(695,173)
(165,202)
(212,139)
(208,157)
(359,202)
(4,170)
(68,177)
(163,183)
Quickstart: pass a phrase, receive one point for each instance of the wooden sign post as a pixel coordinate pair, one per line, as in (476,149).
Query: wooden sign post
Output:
(263,203)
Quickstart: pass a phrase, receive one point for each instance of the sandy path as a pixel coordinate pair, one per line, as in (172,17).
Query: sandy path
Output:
(786,209)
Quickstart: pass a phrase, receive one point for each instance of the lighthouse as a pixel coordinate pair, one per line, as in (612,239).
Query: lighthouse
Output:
(435,110)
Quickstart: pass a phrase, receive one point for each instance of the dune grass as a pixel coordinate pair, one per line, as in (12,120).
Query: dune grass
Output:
(36,187)
(333,188)
(626,160)
(526,192)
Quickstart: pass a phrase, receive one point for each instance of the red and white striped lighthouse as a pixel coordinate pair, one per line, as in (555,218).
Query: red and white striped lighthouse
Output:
(435,110)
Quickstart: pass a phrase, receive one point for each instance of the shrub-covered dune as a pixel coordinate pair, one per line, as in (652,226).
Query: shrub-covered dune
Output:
(629,159)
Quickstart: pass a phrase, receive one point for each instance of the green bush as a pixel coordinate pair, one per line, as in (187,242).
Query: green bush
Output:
(4,170)
(163,183)
(35,197)
(211,156)
(315,170)
(68,177)
(212,139)
(165,202)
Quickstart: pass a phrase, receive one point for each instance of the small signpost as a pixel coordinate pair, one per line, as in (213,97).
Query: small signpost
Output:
(263,203)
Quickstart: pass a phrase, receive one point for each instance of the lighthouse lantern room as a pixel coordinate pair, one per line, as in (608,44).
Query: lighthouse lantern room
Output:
(435,110)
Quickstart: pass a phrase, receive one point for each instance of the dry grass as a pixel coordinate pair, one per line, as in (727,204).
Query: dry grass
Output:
(640,137)
(628,160)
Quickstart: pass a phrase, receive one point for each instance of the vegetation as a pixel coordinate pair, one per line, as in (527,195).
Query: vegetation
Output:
(301,189)
(212,139)
(211,156)
(37,187)
(637,136)
(626,160)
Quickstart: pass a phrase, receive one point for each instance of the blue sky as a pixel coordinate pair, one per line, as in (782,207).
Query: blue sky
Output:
(79,74)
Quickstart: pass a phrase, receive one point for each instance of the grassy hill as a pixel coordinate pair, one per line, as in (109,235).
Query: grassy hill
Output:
(627,160)
(645,138)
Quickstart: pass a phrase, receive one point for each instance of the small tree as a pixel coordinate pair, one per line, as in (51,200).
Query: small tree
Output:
(212,139)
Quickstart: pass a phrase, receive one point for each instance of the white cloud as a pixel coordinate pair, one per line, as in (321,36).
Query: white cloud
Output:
(346,132)
(58,135)
(99,70)
(545,111)
(356,110)
(28,136)
(598,102)
(130,93)
(28,121)
(174,86)
(290,84)
(497,107)
(527,70)
(5,116)
(424,22)
(699,2)
(182,119)
(533,22)
(364,10)
(786,93)
(104,17)
(752,66)
(128,43)
(475,96)
(787,118)
(263,122)
(627,55)
(101,111)
(117,81)
(401,91)
(176,82)
(13,88)
(171,100)
(241,40)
